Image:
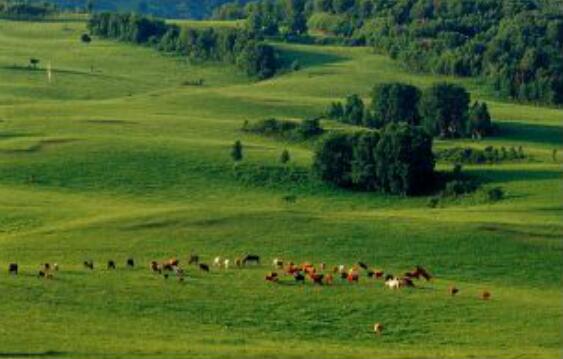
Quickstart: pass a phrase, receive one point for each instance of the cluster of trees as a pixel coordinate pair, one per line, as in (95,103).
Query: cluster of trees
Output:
(443,110)
(234,46)
(25,10)
(516,45)
(291,130)
(490,154)
(398,160)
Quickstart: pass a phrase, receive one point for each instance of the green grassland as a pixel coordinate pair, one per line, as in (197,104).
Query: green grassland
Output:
(117,157)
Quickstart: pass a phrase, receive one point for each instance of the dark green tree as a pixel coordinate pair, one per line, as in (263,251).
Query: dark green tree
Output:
(444,109)
(236,151)
(285,157)
(395,102)
(480,120)
(353,110)
(333,159)
(405,162)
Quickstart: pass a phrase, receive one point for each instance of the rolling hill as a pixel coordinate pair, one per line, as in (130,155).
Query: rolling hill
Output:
(118,157)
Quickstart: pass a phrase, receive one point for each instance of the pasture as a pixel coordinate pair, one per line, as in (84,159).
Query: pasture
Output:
(117,157)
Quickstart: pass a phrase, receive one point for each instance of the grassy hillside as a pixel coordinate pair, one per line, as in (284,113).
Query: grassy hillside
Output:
(117,157)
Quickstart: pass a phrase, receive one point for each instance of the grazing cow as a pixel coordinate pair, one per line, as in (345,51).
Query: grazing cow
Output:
(217,261)
(486,295)
(130,263)
(418,272)
(353,277)
(406,282)
(341,268)
(111,264)
(155,267)
(377,328)
(291,269)
(299,277)
(453,290)
(204,267)
(335,269)
(89,264)
(56,267)
(47,267)
(316,278)
(167,267)
(392,282)
(277,263)
(238,262)
(194,259)
(227,263)
(376,274)
(363,265)
(251,258)
(343,275)
(172,262)
(322,266)
(328,279)
(272,277)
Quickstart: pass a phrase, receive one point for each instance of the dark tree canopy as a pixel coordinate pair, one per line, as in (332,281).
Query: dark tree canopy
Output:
(395,102)
(444,109)
(480,120)
(399,161)
(405,162)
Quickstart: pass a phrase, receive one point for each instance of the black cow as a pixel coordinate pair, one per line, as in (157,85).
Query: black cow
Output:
(111,264)
(130,263)
(13,268)
(204,267)
(251,258)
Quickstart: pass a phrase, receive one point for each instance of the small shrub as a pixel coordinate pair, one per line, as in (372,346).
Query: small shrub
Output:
(458,187)
(433,202)
(495,194)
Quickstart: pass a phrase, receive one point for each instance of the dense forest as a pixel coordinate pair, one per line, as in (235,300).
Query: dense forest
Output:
(516,45)
(25,10)
(235,46)
(192,9)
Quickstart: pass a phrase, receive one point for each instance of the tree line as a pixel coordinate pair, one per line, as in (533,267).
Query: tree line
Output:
(25,10)
(517,46)
(234,46)
(443,110)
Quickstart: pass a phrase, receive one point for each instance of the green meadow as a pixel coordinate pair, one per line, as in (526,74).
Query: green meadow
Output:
(118,157)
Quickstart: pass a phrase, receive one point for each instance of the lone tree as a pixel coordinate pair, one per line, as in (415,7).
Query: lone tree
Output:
(236,151)
(285,158)
(85,38)
(480,120)
(444,109)
(34,62)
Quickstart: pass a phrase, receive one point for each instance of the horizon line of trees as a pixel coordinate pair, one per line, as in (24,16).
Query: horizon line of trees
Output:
(517,46)
(26,10)
(233,46)
(442,110)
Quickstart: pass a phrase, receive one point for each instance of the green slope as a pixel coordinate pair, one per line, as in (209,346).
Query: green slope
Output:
(126,161)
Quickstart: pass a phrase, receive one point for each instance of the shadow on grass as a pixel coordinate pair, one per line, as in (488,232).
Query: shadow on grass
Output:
(524,132)
(510,175)
(309,58)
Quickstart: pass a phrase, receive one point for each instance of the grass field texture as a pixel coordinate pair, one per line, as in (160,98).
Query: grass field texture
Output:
(118,158)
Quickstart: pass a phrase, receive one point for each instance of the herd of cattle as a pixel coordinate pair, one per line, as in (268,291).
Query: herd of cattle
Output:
(321,275)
